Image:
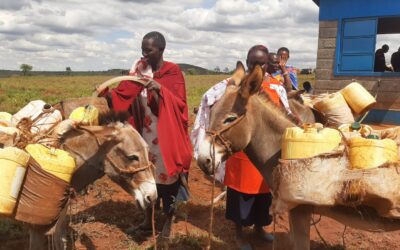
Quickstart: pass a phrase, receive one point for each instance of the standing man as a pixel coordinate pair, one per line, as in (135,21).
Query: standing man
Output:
(160,113)
(380,62)
(248,197)
(395,61)
(283,54)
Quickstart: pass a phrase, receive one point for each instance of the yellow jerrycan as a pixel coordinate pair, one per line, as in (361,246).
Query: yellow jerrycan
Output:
(366,153)
(88,115)
(54,161)
(308,142)
(13,162)
(5,119)
(358,98)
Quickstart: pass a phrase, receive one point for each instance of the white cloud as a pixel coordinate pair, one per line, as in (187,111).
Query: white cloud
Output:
(98,35)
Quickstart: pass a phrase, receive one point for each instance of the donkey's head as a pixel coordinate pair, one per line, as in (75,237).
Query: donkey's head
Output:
(128,164)
(116,150)
(230,128)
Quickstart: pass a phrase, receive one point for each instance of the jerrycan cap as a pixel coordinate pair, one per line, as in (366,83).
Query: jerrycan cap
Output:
(372,136)
(355,126)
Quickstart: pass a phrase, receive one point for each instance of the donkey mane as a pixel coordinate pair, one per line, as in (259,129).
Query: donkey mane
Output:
(112,116)
(277,112)
(265,99)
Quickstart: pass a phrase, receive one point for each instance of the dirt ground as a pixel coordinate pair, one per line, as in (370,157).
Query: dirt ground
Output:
(101,219)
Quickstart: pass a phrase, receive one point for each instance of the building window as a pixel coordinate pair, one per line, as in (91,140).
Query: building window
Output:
(359,48)
(388,33)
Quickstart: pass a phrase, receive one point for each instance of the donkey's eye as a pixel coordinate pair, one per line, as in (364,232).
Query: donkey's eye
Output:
(133,157)
(230,119)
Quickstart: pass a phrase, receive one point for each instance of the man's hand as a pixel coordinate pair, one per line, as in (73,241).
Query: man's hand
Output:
(153,85)
(282,62)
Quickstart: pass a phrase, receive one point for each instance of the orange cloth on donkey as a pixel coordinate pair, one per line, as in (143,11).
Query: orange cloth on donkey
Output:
(240,173)
(243,176)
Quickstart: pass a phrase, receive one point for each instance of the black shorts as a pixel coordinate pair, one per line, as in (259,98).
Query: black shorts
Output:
(248,209)
(167,194)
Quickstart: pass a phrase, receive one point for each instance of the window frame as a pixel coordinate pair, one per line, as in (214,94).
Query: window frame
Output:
(339,46)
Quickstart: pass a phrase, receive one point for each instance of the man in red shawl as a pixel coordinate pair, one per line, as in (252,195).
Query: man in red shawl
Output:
(160,113)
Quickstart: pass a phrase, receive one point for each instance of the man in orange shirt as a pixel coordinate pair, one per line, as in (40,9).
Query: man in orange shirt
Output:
(248,197)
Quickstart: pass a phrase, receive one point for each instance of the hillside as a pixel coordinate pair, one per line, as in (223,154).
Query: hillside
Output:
(187,68)
(194,70)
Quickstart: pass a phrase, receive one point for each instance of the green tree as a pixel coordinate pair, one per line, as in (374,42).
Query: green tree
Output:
(25,68)
(68,69)
(226,70)
(217,69)
(192,71)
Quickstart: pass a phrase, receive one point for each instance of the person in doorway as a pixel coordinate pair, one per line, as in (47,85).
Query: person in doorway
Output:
(160,113)
(307,87)
(395,61)
(380,62)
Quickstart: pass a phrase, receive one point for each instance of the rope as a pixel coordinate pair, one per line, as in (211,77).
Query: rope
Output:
(218,134)
(153,226)
(343,239)
(319,234)
(226,144)
(130,169)
(212,195)
(274,233)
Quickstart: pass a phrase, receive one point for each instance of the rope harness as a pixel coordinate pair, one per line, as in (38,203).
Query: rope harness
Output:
(218,135)
(227,145)
(129,170)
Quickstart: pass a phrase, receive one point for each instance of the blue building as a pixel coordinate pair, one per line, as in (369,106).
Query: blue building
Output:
(351,35)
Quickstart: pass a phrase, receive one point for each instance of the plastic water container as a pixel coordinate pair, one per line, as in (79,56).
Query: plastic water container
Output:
(9,136)
(54,161)
(5,119)
(358,98)
(13,162)
(370,153)
(308,142)
(335,108)
(9,130)
(88,115)
(43,115)
(350,131)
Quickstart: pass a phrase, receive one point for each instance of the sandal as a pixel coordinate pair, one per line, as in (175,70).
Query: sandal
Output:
(245,246)
(142,228)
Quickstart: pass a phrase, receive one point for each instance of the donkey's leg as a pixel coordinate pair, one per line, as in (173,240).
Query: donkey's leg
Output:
(37,238)
(60,234)
(299,218)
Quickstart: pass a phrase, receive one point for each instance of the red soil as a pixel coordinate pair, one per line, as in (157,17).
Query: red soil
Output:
(101,218)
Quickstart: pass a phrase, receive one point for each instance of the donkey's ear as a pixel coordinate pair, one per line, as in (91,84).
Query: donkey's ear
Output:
(252,83)
(112,134)
(238,74)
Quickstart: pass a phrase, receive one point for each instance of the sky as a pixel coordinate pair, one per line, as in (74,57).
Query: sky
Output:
(107,34)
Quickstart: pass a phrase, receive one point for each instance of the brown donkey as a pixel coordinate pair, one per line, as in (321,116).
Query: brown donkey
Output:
(115,150)
(244,120)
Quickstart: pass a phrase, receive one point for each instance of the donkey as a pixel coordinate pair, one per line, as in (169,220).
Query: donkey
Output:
(244,120)
(115,150)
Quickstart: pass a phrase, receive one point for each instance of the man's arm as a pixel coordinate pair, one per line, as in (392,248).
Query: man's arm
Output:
(285,73)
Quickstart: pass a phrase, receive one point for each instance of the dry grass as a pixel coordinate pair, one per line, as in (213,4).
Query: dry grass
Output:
(17,91)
